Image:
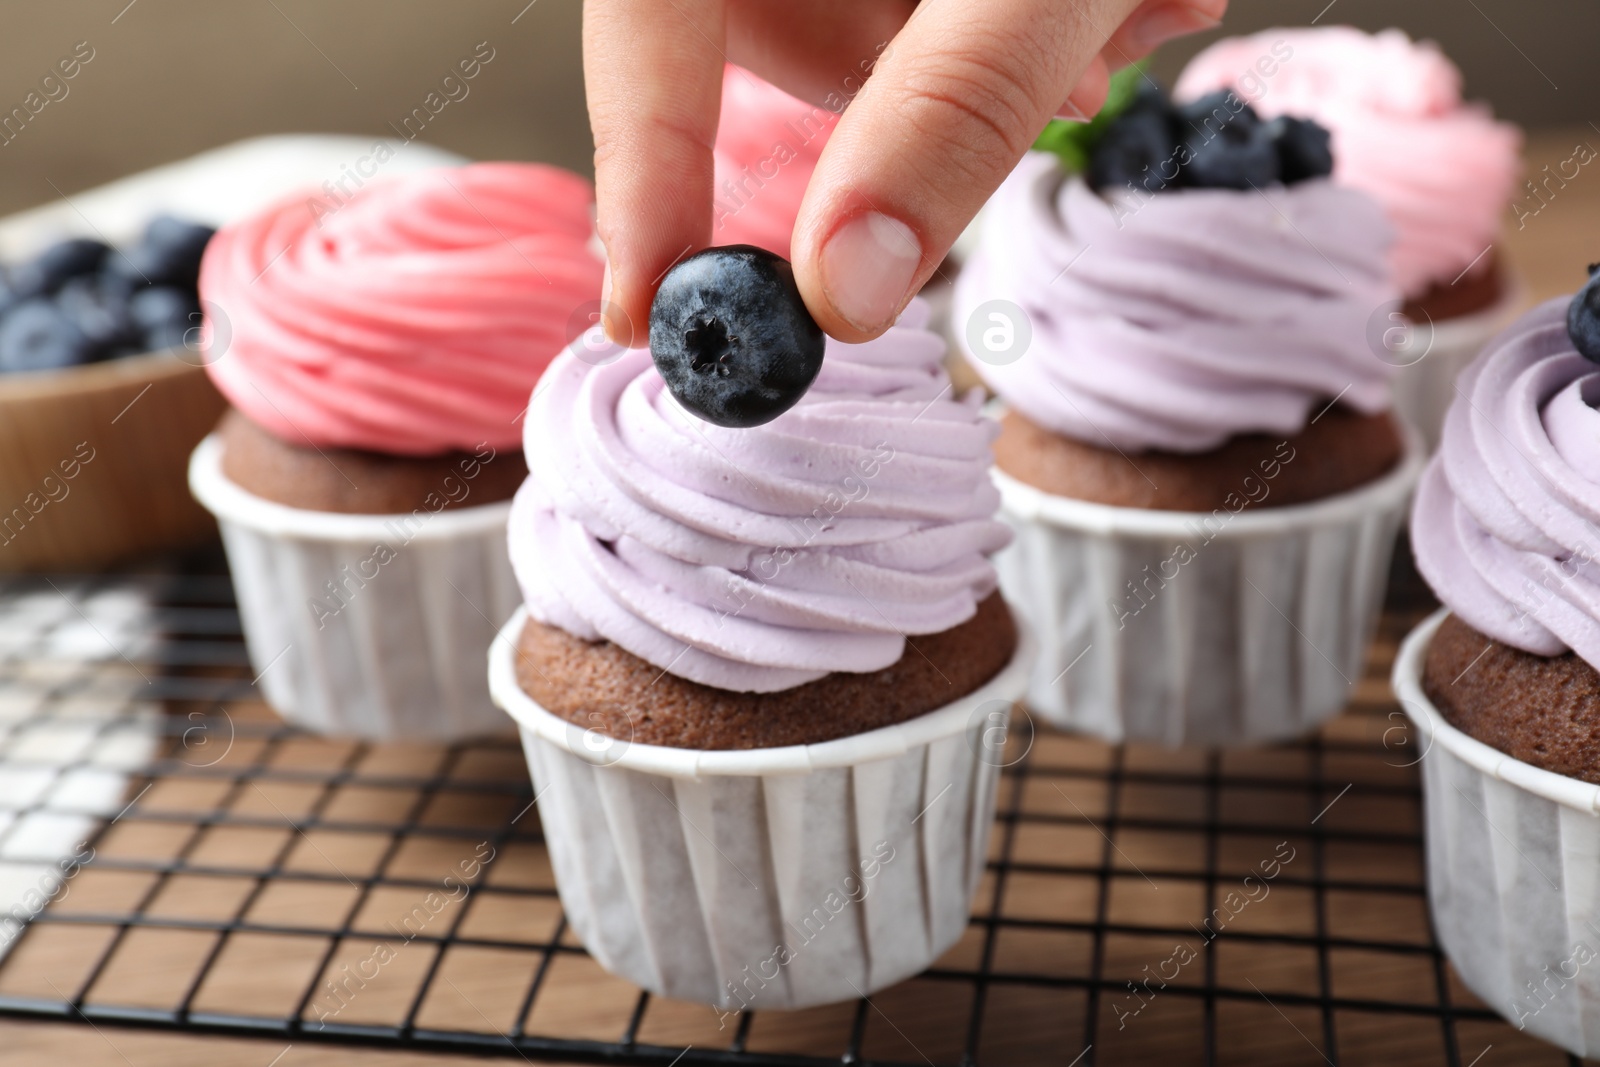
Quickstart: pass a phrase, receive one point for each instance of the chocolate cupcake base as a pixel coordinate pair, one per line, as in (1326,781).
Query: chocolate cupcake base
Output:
(1342,450)
(350,481)
(768,878)
(603,687)
(1511,848)
(1542,710)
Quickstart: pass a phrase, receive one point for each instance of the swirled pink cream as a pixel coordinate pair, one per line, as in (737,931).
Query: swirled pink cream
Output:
(1176,320)
(413,320)
(768,143)
(759,559)
(1443,170)
(1506,524)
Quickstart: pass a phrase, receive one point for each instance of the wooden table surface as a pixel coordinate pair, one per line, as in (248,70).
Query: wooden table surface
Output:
(1550,251)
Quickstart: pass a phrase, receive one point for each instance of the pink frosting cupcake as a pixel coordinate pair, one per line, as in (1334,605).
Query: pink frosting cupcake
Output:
(412,321)
(378,360)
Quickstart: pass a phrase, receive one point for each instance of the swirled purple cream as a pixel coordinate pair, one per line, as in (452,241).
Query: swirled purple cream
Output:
(758,559)
(1506,524)
(1179,319)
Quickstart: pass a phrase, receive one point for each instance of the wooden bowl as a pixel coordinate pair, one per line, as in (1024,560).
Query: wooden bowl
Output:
(94,460)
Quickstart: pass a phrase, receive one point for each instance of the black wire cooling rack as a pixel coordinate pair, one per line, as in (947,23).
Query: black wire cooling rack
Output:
(1140,905)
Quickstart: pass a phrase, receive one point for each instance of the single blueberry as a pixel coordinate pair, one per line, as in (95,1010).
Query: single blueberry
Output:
(1305,149)
(164,306)
(1583,317)
(118,284)
(102,314)
(1139,150)
(36,335)
(1226,144)
(52,268)
(167,254)
(732,338)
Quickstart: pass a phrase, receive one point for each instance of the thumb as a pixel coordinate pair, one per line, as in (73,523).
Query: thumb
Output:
(951,106)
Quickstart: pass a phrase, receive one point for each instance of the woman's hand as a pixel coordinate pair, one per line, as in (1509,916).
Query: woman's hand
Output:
(958,91)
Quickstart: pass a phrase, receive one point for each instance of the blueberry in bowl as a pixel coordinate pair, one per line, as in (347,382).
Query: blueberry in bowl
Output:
(102,398)
(48,271)
(38,335)
(168,253)
(81,301)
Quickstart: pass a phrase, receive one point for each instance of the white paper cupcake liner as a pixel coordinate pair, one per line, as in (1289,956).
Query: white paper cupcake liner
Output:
(1513,871)
(771,878)
(1423,391)
(394,649)
(1256,633)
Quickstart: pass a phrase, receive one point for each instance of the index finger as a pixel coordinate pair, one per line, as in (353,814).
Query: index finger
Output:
(653,75)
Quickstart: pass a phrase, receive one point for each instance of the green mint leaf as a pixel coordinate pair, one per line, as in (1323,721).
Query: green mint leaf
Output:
(1074,142)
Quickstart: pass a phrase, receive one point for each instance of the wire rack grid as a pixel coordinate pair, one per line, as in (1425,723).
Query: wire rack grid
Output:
(1140,905)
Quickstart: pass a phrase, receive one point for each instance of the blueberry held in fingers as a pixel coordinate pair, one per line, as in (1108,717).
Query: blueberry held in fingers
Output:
(1583,317)
(732,338)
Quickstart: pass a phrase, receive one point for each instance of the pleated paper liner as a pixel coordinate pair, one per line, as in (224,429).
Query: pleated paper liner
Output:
(1513,855)
(768,878)
(1209,628)
(374,626)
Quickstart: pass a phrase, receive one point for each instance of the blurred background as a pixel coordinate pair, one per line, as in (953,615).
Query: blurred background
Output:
(173,77)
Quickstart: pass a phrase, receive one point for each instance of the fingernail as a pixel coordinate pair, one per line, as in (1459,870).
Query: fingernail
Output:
(867,269)
(1162,24)
(1071,112)
(607,324)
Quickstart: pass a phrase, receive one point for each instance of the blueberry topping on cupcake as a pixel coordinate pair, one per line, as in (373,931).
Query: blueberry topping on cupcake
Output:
(732,337)
(1583,317)
(1142,140)
(1226,145)
(1305,150)
(1135,148)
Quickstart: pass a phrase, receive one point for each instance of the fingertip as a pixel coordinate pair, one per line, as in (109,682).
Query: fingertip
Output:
(860,274)
(625,316)
(614,318)
(1089,95)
